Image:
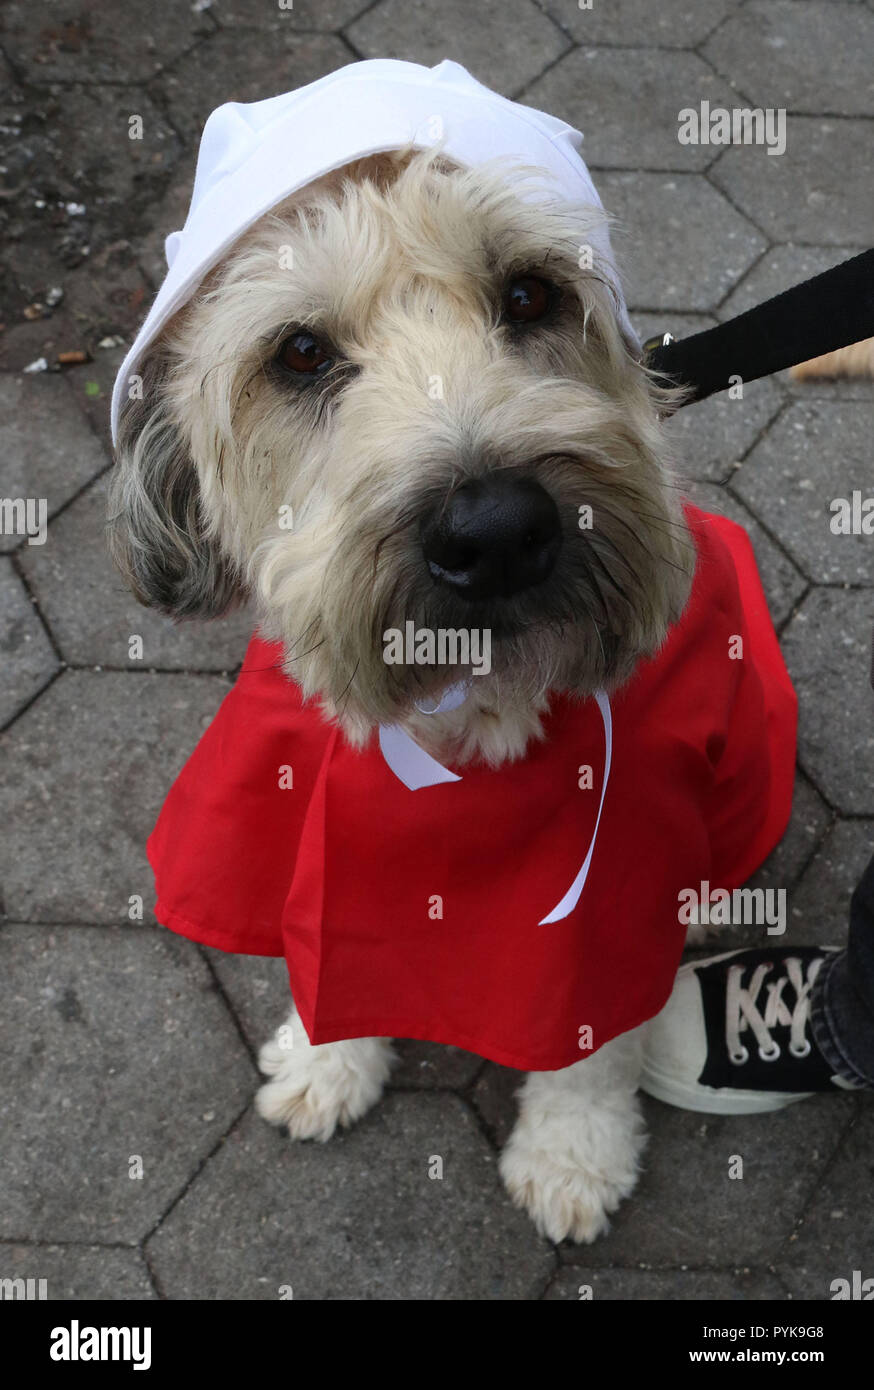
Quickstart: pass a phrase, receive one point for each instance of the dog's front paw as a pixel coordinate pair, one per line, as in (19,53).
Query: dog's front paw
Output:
(569,1184)
(315,1089)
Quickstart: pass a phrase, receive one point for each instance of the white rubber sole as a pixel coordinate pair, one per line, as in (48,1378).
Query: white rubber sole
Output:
(712,1102)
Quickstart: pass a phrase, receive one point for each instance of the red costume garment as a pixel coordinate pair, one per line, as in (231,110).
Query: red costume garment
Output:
(346,873)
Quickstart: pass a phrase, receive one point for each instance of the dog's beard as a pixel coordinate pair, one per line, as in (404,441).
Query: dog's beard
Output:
(615,588)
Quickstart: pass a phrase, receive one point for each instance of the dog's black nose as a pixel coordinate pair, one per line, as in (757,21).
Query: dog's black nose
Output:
(495,536)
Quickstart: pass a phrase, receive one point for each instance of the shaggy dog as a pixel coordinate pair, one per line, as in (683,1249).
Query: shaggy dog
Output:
(312,391)
(438,338)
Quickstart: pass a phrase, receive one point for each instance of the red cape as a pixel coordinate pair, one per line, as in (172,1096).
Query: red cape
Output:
(345,874)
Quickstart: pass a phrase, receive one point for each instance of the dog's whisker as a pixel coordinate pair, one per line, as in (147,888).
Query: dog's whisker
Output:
(348,686)
(314,648)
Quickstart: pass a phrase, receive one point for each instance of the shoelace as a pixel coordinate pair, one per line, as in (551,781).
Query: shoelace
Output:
(742,1010)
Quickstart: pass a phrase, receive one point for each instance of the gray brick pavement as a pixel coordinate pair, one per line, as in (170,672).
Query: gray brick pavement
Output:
(120,1040)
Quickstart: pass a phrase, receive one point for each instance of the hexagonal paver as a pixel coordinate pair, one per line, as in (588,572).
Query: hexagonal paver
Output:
(86,769)
(93,616)
(168,216)
(504,43)
(6,73)
(820,905)
(104,299)
(109,301)
(96,41)
(670,24)
(806,55)
(47,450)
(816,455)
(779,873)
(27,660)
(313,15)
(827,646)
(244,65)
(836,1236)
(781,581)
(79,1271)
(685,1208)
(27,341)
(805,193)
(92,385)
(626,101)
(669,225)
(258,991)
(808,824)
(494,1097)
(780,269)
(712,437)
(115,1046)
(82,182)
(578,1282)
(356,1218)
(430,1066)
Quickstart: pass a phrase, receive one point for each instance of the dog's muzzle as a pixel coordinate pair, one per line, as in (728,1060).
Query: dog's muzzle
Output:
(494,537)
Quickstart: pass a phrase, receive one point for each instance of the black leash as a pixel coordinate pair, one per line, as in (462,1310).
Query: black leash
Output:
(830,311)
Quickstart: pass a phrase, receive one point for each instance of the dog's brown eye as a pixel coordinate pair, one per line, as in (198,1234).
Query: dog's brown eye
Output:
(304,354)
(527,299)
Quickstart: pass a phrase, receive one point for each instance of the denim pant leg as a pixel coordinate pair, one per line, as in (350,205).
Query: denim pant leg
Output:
(842,999)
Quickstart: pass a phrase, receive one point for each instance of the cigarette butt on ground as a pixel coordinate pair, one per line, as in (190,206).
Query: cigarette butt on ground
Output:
(857,360)
(73,359)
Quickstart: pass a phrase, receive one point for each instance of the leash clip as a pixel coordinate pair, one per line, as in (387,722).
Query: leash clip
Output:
(659,340)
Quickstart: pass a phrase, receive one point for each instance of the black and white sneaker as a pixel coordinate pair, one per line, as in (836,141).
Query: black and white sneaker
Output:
(735,1038)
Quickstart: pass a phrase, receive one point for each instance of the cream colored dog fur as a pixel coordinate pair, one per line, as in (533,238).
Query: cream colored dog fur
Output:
(398,269)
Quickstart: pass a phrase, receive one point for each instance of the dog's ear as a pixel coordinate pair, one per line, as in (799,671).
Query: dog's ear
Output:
(158,532)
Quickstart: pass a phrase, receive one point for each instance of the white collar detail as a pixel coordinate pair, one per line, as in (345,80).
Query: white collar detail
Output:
(416,769)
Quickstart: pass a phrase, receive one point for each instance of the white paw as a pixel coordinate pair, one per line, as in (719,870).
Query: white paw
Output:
(569,1187)
(315,1089)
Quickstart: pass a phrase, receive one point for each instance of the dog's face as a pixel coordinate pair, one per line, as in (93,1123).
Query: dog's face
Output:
(400,399)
